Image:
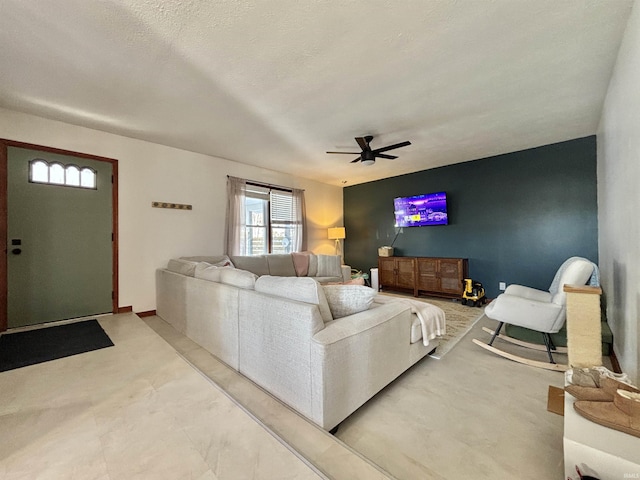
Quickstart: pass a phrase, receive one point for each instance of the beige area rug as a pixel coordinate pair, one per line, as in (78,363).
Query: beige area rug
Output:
(459,320)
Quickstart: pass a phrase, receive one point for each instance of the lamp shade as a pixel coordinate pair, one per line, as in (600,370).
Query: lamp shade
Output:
(337,233)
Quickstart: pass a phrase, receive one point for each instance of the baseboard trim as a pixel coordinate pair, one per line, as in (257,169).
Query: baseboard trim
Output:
(127,309)
(148,313)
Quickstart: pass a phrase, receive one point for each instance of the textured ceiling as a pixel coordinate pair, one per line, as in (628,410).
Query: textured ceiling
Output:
(277,83)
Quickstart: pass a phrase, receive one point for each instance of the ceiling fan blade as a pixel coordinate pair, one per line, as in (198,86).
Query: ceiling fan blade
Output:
(362,141)
(356,160)
(384,155)
(348,153)
(391,147)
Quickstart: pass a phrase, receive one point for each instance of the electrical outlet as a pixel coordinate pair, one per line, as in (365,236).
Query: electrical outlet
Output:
(502,286)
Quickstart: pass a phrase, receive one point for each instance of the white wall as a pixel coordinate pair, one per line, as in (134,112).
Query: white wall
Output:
(148,172)
(619,199)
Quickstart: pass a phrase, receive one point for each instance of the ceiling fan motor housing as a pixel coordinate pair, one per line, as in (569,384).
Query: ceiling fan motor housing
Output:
(368,157)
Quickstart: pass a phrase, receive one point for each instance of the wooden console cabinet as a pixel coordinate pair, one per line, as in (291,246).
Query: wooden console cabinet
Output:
(438,277)
(397,272)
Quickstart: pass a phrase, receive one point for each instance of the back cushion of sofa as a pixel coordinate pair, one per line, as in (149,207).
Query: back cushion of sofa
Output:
(346,300)
(206,271)
(238,278)
(281,265)
(184,267)
(217,260)
(301,289)
(329,266)
(252,263)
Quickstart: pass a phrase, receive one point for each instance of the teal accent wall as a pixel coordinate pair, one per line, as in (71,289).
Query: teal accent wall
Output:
(516,216)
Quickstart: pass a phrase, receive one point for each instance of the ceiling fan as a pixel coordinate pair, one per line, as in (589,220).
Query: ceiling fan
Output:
(368,156)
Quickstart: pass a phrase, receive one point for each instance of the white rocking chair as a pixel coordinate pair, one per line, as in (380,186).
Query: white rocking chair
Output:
(538,310)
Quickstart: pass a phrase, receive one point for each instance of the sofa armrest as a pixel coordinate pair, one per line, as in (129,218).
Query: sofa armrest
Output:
(275,346)
(357,323)
(355,357)
(346,273)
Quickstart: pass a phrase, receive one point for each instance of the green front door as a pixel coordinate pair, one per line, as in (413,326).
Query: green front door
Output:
(59,245)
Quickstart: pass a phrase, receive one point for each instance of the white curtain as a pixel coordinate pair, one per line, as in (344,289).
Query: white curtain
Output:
(299,240)
(235,225)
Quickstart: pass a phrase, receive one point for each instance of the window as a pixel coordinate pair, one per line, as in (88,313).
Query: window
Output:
(55,173)
(282,222)
(268,220)
(264,219)
(256,211)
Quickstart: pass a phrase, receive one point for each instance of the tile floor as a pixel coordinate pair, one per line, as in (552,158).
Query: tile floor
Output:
(133,411)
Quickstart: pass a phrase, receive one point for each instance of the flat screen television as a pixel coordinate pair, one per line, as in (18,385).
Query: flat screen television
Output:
(421,210)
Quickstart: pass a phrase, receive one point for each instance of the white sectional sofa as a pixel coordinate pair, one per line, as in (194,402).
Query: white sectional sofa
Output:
(280,332)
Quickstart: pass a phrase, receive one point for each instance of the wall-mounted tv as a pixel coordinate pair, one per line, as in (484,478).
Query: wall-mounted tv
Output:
(421,210)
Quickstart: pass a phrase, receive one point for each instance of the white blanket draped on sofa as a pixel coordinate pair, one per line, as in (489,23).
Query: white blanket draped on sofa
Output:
(432,318)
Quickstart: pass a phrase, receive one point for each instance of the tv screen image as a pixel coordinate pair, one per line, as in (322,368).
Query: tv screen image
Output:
(421,210)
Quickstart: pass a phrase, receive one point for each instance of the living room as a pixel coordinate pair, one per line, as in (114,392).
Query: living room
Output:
(150,170)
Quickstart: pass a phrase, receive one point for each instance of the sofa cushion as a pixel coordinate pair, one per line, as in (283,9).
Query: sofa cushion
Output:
(184,267)
(301,289)
(238,278)
(329,266)
(346,300)
(281,265)
(252,263)
(217,260)
(206,271)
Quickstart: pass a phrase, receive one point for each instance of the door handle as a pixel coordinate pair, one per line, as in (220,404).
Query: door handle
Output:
(16,251)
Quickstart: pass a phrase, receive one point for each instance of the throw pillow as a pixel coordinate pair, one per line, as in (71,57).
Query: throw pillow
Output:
(223,263)
(346,300)
(218,260)
(329,266)
(184,267)
(301,263)
(206,271)
(313,265)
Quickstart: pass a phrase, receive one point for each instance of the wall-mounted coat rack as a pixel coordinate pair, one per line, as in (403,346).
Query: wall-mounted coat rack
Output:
(175,206)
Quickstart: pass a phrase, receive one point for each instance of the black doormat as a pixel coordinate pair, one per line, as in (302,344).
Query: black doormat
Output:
(50,343)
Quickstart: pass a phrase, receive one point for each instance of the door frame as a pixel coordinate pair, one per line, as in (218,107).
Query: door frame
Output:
(4,210)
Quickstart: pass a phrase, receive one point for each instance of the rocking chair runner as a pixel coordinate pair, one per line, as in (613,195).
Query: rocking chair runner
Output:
(538,310)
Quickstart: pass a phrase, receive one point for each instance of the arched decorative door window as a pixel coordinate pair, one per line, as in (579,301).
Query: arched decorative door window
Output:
(55,173)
